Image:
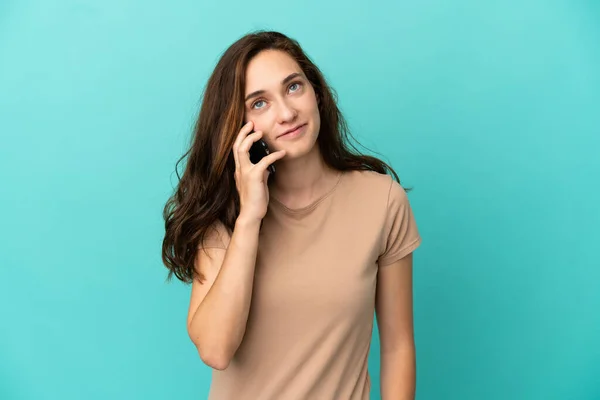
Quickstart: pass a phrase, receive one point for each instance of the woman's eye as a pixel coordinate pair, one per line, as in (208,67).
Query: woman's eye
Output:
(256,104)
(294,87)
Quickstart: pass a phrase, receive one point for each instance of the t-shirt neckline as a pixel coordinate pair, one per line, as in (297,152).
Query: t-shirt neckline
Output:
(311,206)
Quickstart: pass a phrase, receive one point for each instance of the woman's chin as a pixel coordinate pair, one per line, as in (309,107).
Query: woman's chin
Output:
(296,153)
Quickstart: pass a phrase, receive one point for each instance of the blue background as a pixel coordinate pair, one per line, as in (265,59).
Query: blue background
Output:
(490,110)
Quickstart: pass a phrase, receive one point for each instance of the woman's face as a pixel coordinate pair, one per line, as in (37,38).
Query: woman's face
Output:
(281,103)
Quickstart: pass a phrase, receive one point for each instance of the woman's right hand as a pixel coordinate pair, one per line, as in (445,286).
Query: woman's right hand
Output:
(251,179)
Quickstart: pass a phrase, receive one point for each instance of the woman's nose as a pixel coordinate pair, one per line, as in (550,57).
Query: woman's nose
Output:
(286,112)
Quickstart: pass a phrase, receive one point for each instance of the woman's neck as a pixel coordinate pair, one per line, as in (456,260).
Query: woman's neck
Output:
(299,182)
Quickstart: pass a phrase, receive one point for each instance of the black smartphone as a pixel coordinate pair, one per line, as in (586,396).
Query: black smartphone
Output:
(259,150)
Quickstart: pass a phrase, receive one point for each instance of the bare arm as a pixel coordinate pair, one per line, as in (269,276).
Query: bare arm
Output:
(394,307)
(219,307)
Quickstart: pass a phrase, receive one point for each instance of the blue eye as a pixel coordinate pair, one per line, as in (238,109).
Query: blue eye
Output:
(297,85)
(254,106)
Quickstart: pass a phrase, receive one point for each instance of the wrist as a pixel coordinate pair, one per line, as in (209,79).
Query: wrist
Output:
(245,221)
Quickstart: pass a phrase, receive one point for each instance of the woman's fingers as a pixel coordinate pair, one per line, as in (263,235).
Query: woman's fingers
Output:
(249,141)
(270,159)
(243,133)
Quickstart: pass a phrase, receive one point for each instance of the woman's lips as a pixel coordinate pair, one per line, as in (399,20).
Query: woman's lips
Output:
(293,134)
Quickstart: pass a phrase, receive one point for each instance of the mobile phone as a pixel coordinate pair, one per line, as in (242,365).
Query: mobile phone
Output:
(259,150)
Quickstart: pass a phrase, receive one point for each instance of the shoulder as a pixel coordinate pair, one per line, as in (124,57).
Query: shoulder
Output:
(371,194)
(368,179)
(375,185)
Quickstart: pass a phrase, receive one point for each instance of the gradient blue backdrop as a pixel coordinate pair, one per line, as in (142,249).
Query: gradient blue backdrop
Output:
(490,110)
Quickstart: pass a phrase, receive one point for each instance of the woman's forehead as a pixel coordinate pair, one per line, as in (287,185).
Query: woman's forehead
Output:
(268,69)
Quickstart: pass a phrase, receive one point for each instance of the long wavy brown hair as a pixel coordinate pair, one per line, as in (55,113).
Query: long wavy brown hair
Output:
(206,192)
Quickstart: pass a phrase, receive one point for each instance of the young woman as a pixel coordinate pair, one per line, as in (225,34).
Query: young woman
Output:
(288,268)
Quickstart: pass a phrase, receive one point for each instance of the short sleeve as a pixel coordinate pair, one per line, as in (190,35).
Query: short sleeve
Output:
(217,236)
(400,235)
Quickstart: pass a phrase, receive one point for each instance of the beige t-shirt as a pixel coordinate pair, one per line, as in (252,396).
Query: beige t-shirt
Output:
(311,318)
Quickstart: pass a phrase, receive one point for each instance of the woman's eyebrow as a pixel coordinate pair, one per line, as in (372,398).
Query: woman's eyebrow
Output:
(283,82)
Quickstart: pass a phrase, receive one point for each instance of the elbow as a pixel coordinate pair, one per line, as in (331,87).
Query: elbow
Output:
(215,360)
(213,354)
(216,353)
